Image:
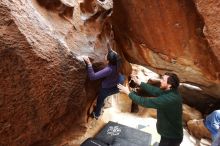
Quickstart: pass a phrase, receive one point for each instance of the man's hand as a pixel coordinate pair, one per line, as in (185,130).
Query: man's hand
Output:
(136,79)
(123,89)
(87,60)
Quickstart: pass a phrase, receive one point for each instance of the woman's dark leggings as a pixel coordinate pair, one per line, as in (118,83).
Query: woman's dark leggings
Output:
(170,141)
(104,92)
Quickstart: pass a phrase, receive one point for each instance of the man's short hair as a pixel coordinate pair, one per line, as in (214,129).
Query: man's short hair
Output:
(173,80)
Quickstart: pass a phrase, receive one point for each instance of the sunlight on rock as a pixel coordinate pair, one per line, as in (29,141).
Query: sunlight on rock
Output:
(191,87)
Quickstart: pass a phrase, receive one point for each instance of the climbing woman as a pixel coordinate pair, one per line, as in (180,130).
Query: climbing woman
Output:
(110,75)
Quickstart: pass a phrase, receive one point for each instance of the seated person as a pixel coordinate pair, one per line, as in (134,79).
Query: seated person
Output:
(212,123)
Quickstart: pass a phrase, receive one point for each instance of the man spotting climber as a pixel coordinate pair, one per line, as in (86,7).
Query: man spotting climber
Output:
(168,103)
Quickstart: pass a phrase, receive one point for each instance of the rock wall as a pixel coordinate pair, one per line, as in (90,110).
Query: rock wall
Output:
(40,79)
(208,11)
(44,90)
(169,36)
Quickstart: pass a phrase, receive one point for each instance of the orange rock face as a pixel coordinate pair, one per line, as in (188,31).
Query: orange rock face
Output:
(41,81)
(208,10)
(44,90)
(190,113)
(168,36)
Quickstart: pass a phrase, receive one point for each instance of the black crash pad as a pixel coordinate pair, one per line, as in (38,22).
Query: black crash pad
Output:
(115,134)
(93,142)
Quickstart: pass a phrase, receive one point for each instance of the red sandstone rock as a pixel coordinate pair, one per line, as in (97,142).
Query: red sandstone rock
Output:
(197,129)
(190,113)
(209,10)
(44,90)
(168,36)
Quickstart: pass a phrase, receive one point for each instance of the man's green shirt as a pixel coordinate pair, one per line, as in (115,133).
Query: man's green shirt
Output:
(169,109)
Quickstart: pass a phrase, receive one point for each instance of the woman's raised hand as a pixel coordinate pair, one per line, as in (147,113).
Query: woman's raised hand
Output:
(86,59)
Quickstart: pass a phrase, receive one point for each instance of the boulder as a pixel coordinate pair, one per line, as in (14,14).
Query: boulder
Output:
(44,90)
(190,113)
(197,129)
(172,36)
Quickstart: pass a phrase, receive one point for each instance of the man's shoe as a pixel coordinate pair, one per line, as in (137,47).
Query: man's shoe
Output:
(94,116)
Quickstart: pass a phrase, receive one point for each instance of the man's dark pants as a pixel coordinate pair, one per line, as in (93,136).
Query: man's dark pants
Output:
(170,141)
